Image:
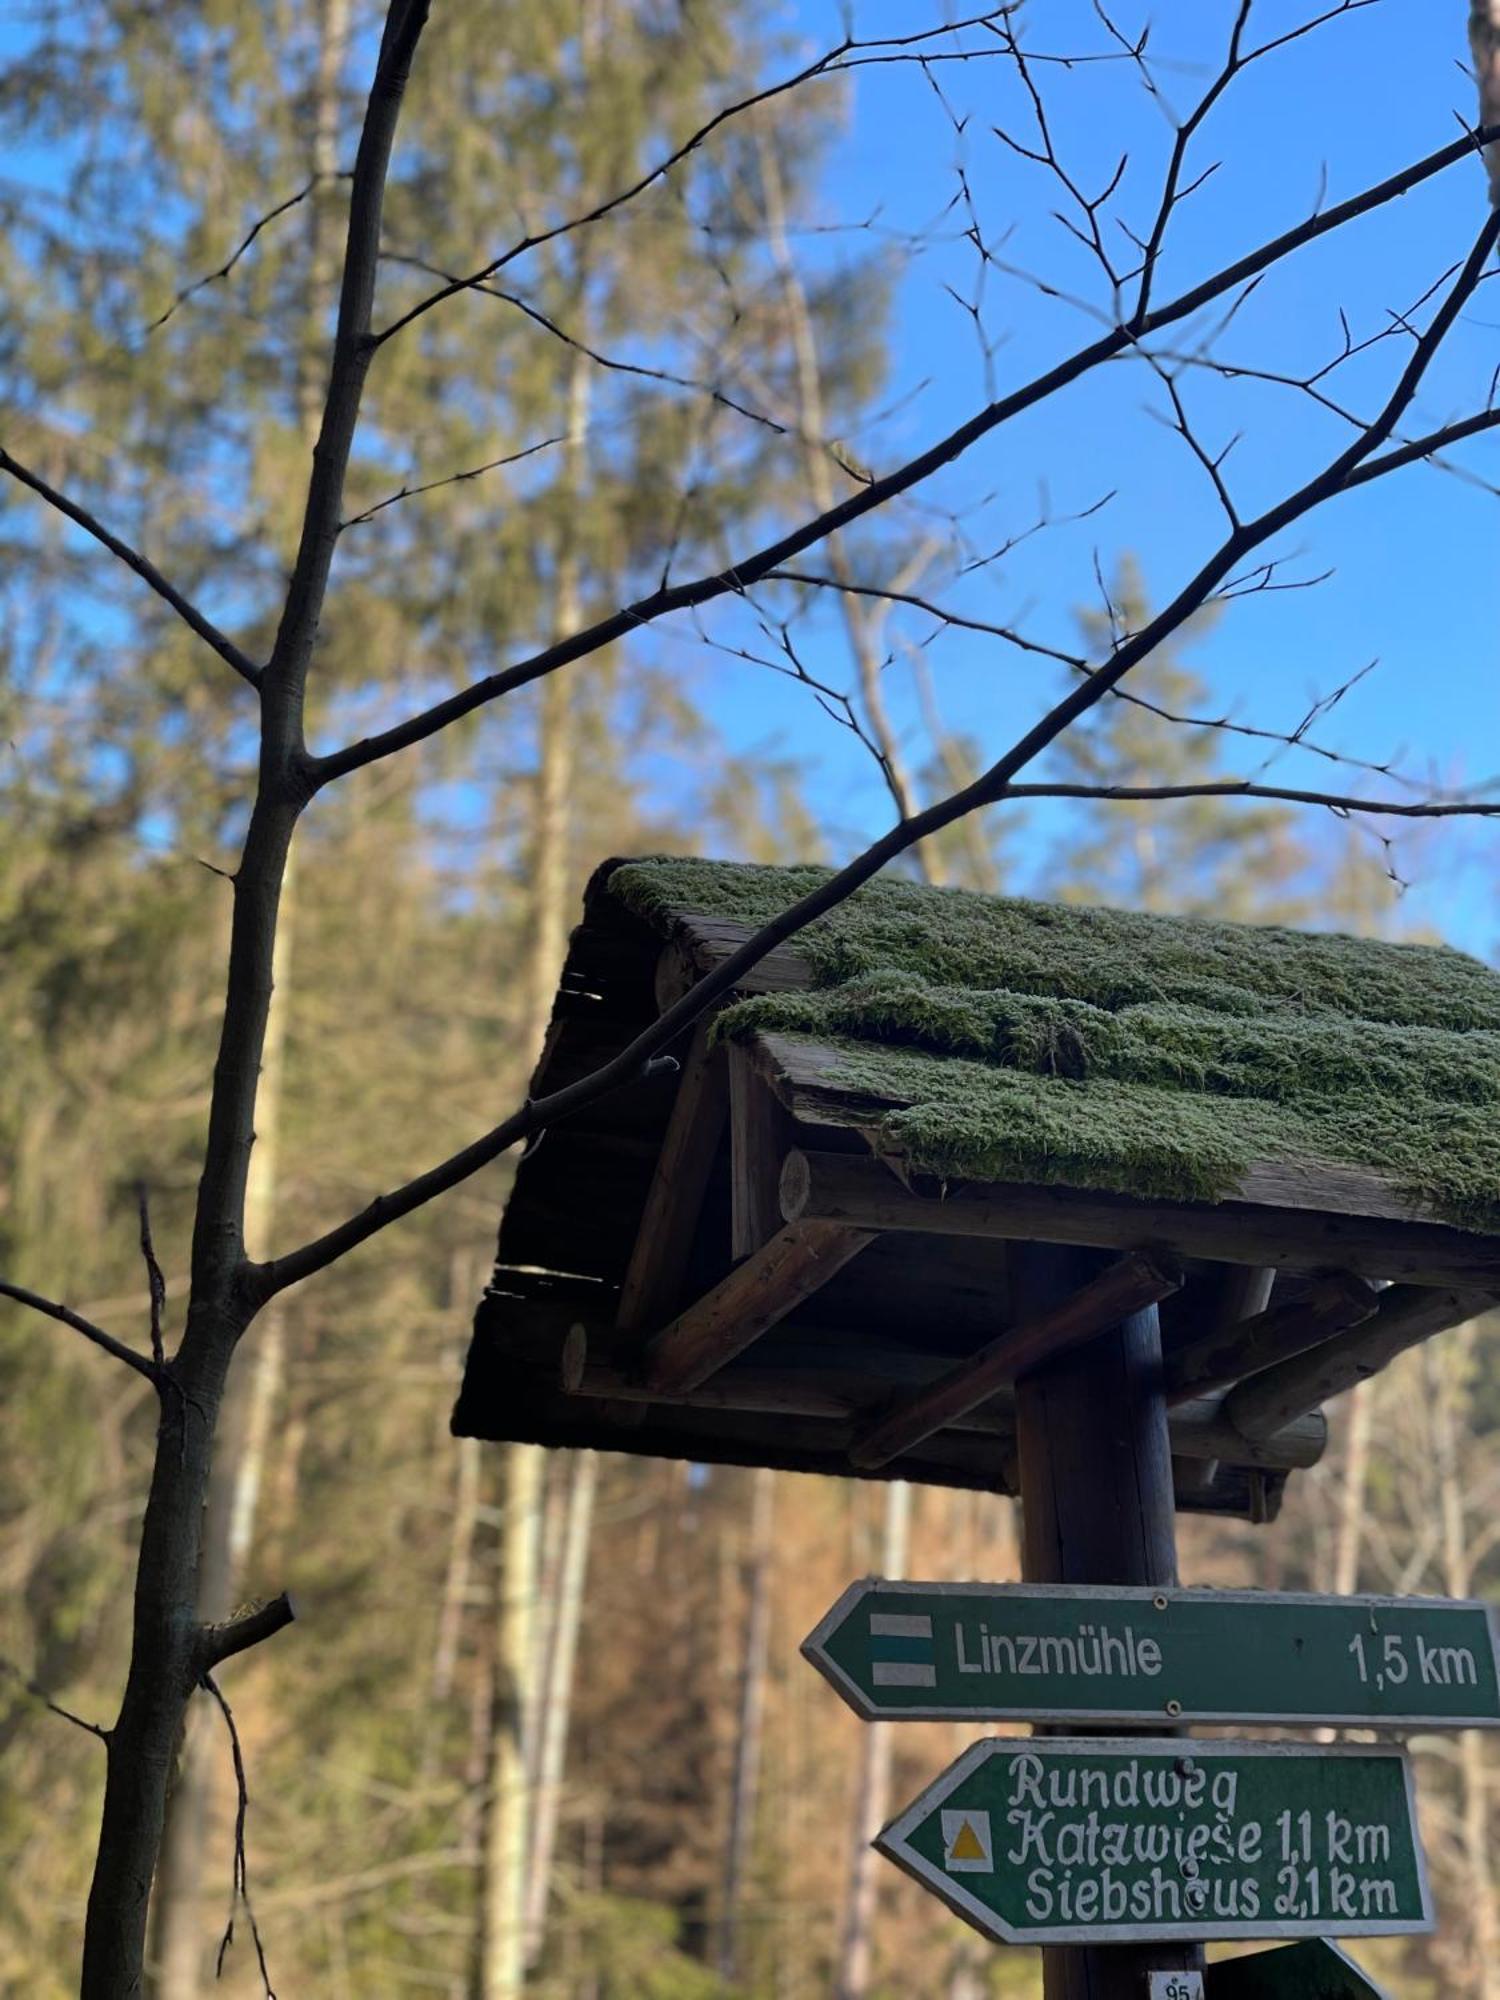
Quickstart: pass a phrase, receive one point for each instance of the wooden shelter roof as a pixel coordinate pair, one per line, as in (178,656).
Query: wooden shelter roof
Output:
(796,1251)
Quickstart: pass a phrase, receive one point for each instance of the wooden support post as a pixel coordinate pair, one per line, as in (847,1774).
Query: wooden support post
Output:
(1097,1507)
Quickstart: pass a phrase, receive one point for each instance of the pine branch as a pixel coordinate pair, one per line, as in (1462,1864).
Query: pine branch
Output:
(222,1642)
(143,567)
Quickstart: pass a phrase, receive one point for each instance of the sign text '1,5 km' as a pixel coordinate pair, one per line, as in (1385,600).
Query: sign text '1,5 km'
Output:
(1078,1841)
(1087,1653)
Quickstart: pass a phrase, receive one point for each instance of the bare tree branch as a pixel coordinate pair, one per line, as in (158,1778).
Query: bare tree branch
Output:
(734,580)
(156,1283)
(1248,788)
(850,53)
(222,1642)
(240,1889)
(145,569)
(989,788)
(223,270)
(40,1694)
(153,1372)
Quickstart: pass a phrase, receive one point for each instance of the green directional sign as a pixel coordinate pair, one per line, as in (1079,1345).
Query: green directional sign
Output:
(1316,1970)
(1076,1653)
(1077,1841)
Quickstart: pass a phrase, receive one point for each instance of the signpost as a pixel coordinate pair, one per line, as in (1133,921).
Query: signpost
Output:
(1107,1841)
(1081,1653)
(1316,1970)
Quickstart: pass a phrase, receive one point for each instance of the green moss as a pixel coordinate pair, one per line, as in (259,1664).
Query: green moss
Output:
(1103,1048)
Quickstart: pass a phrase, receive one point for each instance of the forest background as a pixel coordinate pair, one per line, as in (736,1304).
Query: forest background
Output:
(798,283)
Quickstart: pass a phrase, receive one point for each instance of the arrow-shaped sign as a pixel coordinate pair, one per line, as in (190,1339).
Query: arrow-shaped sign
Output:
(1077,1653)
(1078,1841)
(1316,1970)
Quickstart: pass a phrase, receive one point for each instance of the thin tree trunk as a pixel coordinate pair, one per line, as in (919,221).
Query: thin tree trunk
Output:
(557,1693)
(1451,1365)
(181,1934)
(460,1561)
(751,1715)
(180,1922)
(1352,1498)
(509,1838)
(872,1788)
(502,1967)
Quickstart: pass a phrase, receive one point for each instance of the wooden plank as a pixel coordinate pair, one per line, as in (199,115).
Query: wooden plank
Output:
(1337,1300)
(760,1134)
(674,1201)
(701,944)
(756,1294)
(1407,1315)
(589,1365)
(1136,1281)
(807,1077)
(836,1187)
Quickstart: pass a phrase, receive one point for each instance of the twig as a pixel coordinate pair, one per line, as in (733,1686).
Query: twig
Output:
(40,1694)
(989,788)
(736,578)
(1248,788)
(154,1278)
(847,54)
(143,567)
(223,270)
(154,1373)
(240,1890)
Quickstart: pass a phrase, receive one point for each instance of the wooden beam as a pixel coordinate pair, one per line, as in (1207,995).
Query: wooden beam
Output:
(1244,1291)
(760,1134)
(700,944)
(674,1201)
(1198,1430)
(1333,1302)
(864,1194)
(1136,1281)
(799,1258)
(1407,1315)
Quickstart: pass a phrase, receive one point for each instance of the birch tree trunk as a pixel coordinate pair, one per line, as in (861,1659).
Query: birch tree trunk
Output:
(509,1844)
(1452,1366)
(872,1788)
(557,1693)
(752,1704)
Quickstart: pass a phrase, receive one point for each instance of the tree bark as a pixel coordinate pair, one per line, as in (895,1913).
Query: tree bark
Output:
(872,1788)
(751,1714)
(557,1692)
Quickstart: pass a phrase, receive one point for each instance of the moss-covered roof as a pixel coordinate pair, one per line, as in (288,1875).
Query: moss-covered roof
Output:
(1110,1049)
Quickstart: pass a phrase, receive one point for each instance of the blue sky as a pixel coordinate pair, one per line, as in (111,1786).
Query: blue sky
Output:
(1414,558)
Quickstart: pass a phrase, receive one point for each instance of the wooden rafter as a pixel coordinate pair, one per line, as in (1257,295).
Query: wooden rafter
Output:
(799,1258)
(1332,1302)
(1407,1315)
(1137,1280)
(836,1394)
(865,1194)
(674,1201)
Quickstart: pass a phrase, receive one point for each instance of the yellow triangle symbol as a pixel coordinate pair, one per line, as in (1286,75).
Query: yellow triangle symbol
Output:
(967,1847)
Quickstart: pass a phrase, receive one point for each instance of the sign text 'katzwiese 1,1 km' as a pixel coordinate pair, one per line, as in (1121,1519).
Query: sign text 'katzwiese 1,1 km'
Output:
(1104,1841)
(1082,1653)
